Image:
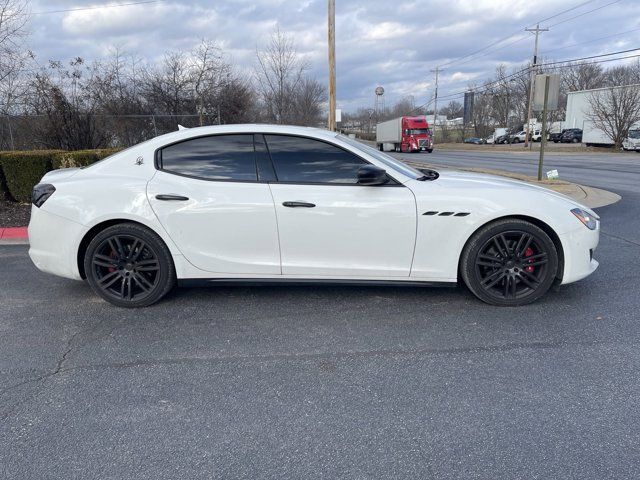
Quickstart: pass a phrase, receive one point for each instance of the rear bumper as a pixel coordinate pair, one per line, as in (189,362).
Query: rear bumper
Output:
(579,248)
(53,243)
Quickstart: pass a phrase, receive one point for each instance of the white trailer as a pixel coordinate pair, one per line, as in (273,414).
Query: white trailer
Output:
(578,109)
(389,134)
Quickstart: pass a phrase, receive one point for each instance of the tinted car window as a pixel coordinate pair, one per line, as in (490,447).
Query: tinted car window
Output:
(304,160)
(219,157)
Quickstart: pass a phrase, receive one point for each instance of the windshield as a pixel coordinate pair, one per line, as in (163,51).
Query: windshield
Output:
(418,131)
(384,158)
(634,134)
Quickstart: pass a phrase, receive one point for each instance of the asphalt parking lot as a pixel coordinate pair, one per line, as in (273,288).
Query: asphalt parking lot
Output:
(332,382)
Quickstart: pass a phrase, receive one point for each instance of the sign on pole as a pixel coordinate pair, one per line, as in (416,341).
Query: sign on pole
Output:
(539,89)
(468,107)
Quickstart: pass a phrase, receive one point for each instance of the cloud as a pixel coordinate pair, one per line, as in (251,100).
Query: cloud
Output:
(394,44)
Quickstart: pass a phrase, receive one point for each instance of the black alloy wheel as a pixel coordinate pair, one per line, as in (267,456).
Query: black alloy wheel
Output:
(510,262)
(129,266)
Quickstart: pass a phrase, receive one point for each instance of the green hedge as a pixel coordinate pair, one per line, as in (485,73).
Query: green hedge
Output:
(20,171)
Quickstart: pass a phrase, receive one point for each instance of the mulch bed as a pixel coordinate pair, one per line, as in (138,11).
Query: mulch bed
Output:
(14,214)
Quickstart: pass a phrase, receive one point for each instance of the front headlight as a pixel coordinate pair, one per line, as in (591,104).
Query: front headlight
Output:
(587,219)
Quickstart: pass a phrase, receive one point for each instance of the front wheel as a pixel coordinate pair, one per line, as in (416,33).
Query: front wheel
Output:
(129,266)
(509,262)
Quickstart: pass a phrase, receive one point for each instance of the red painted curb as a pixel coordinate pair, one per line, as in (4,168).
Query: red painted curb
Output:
(15,233)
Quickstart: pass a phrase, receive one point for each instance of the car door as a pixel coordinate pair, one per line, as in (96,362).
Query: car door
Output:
(207,196)
(328,224)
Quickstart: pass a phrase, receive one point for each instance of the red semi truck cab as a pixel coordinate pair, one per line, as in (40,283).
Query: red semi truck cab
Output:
(405,134)
(416,134)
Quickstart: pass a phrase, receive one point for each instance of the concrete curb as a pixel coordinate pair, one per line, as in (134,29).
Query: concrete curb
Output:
(14,236)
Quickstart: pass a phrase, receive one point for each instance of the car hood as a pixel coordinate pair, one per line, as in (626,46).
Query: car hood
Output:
(484,185)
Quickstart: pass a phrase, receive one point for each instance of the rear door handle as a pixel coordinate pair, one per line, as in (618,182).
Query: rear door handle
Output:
(298,204)
(168,197)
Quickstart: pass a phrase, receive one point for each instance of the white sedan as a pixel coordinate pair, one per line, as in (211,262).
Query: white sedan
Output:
(264,203)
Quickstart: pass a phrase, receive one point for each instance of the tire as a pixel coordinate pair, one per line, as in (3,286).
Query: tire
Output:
(429,150)
(515,140)
(509,262)
(575,140)
(381,147)
(129,266)
(556,141)
(397,148)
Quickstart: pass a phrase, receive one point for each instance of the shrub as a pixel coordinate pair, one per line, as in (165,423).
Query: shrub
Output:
(22,170)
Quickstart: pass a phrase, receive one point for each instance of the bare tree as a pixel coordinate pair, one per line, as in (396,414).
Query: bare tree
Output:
(453,109)
(63,96)
(13,23)
(209,71)
(615,110)
(279,72)
(582,76)
(307,101)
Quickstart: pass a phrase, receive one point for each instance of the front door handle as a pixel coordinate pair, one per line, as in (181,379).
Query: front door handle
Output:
(167,197)
(298,204)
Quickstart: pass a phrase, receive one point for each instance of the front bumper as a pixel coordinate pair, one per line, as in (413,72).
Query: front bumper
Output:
(53,242)
(579,247)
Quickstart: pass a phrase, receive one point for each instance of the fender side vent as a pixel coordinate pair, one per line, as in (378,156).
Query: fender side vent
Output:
(462,214)
(445,214)
(430,213)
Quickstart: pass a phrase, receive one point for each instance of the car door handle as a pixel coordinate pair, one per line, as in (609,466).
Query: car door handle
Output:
(298,204)
(167,197)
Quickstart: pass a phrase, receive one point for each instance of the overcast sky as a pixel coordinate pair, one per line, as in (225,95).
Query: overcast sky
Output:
(391,43)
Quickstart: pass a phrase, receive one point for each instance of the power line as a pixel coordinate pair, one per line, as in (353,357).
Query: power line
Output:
(516,33)
(585,13)
(590,41)
(549,66)
(95,7)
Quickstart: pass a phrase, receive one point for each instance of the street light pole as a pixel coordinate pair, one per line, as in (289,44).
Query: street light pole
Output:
(537,31)
(332,64)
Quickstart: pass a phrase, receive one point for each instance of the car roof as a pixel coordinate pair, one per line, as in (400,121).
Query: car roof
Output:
(244,128)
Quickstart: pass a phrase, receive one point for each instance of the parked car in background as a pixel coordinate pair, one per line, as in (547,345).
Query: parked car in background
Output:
(275,203)
(555,136)
(632,142)
(571,135)
(535,136)
(502,139)
(475,140)
(518,137)
(490,140)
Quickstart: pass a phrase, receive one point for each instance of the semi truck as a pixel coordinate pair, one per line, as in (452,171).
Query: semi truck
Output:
(404,134)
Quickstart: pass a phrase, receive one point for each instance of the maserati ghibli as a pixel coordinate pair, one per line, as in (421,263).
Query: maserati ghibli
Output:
(272,203)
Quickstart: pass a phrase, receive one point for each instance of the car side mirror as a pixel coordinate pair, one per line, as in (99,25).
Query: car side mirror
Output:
(372,175)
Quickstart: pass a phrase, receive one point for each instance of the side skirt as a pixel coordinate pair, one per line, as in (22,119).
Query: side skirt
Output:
(257,282)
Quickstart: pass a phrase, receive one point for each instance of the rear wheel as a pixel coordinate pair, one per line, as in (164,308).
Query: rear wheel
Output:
(509,262)
(129,266)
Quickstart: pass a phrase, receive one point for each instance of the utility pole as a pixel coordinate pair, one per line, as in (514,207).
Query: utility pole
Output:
(537,31)
(435,107)
(332,65)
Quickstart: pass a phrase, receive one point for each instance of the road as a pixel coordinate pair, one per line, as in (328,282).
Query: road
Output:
(332,382)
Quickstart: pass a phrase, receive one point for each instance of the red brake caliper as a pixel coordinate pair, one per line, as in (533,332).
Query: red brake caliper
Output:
(527,253)
(112,255)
